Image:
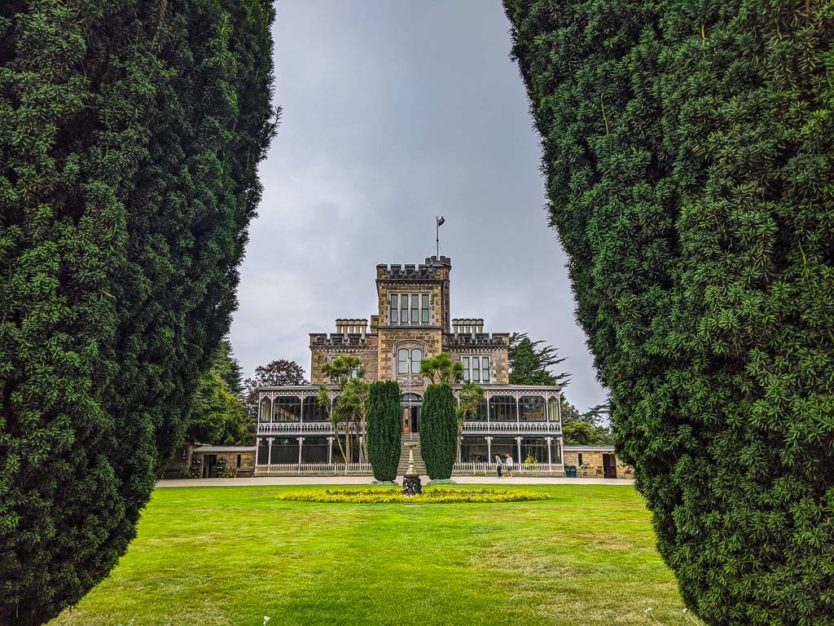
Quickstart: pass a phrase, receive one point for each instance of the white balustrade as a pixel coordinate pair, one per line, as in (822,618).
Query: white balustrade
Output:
(470,428)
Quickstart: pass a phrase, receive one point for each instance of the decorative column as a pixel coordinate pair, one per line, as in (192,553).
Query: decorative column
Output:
(489,449)
(518,447)
(549,441)
(460,443)
(269,451)
(330,450)
(300,445)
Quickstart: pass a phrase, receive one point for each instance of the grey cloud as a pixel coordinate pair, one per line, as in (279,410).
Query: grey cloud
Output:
(394,112)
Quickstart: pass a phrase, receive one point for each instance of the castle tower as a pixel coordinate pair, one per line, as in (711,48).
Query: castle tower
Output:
(413,315)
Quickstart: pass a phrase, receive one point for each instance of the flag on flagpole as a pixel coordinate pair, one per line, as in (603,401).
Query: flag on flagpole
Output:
(441,220)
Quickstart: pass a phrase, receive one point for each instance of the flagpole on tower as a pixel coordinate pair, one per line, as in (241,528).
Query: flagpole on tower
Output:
(439,221)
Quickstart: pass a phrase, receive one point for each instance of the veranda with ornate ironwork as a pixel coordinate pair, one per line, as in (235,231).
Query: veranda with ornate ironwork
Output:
(296,436)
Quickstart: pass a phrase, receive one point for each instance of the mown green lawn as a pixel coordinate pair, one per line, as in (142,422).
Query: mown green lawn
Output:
(231,555)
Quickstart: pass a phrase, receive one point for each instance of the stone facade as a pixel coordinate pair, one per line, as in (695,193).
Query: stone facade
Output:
(238,460)
(596,462)
(434,332)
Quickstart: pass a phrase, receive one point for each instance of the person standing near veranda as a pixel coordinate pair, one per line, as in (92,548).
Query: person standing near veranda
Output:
(509,464)
(498,464)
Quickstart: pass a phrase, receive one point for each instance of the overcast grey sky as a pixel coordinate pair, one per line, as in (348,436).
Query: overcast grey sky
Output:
(394,112)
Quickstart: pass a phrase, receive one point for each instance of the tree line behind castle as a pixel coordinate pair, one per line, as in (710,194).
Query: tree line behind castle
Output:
(225,407)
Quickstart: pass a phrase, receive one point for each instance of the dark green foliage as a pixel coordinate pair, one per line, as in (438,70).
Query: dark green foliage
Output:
(130,134)
(225,363)
(438,431)
(384,428)
(586,428)
(273,374)
(689,153)
(218,415)
(531,363)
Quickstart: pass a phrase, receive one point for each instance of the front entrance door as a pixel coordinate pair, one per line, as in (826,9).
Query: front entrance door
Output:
(609,465)
(209,461)
(411,419)
(412,406)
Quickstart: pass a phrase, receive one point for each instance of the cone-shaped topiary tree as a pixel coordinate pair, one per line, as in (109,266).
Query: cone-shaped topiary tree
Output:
(130,134)
(689,153)
(384,429)
(438,431)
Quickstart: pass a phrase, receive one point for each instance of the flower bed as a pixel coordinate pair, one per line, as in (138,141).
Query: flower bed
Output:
(429,496)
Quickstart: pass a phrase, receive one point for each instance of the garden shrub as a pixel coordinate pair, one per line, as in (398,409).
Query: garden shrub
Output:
(384,423)
(438,431)
(689,154)
(130,136)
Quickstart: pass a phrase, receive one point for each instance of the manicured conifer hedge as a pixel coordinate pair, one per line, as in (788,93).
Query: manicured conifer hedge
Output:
(689,153)
(438,431)
(130,134)
(384,428)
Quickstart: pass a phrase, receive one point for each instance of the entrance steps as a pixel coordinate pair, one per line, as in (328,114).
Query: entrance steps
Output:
(419,465)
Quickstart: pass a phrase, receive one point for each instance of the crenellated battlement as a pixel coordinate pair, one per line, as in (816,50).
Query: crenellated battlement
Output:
(476,340)
(340,340)
(434,269)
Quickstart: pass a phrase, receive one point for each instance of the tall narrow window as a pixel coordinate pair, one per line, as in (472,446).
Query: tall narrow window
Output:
(476,371)
(466,376)
(415,309)
(485,369)
(402,361)
(404,309)
(416,360)
(395,318)
(424,314)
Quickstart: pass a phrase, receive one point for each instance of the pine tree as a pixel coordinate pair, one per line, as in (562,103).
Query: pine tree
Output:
(531,363)
(384,429)
(218,415)
(130,134)
(438,431)
(689,154)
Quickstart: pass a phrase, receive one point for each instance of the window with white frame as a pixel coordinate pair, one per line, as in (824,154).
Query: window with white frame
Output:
(408,361)
(476,369)
(408,309)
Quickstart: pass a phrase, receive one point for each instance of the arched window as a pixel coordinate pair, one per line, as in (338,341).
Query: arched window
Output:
(553,411)
(314,411)
(286,409)
(502,409)
(531,409)
(416,360)
(402,361)
(265,410)
(410,399)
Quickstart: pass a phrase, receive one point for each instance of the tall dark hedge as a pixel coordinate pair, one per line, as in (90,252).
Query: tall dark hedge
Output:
(130,134)
(689,154)
(438,431)
(384,428)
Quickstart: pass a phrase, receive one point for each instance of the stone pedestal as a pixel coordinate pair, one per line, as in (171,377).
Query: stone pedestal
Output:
(411,481)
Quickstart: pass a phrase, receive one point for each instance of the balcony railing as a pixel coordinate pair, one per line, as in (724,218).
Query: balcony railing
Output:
(469,428)
(314,469)
(472,428)
(300,428)
(519,468)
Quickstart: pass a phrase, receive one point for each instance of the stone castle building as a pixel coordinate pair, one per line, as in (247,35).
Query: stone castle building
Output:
(412,321)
